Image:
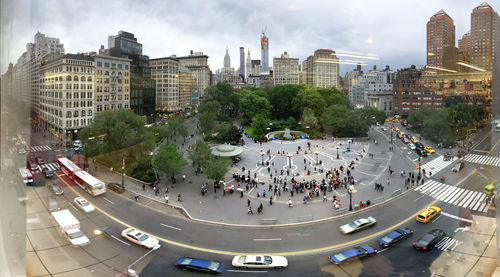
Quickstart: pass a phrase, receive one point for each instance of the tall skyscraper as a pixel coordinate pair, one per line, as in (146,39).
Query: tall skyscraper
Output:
(227,60)
(441,50)
(197,62)
(242,64)
(464,51)
(264,46)
(142,86)
(485,32)
(248,66)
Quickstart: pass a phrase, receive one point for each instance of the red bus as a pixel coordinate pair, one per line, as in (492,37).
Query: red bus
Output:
(82,178)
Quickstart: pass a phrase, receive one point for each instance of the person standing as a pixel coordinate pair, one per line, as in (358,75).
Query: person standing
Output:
(143,187)
(248,202)
(179,198)
(271,201)
(166,198)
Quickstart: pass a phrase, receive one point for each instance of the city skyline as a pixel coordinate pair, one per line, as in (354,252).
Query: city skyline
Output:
(163,33)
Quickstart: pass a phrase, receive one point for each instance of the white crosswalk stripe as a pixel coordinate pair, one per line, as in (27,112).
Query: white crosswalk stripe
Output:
(473,200)
(40,148)
(482,159)
(51,166)
(437,165)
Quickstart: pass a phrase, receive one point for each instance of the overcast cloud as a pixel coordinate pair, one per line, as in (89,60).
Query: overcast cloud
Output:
(392,29)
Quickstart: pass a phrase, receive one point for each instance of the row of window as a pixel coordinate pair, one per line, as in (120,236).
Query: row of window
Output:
(68,78)
(113,98)
(112,107)
(112,65)
(74,122)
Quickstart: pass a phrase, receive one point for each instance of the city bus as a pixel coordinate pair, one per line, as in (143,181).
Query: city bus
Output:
(82,178)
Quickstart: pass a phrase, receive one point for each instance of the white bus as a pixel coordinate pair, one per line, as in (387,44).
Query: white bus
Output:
(82,178)
(497,127)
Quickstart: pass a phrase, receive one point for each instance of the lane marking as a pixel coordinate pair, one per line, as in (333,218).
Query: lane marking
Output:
(231,253)
(122,241)
(456,217)
(168,226)
(108,200)
(266,239)
(245,271)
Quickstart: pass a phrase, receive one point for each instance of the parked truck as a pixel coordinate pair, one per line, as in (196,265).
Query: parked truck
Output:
(69,226)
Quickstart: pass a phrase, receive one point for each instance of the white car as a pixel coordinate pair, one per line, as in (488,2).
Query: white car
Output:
(357,225)
(140,238)
(84,205)
(260,261)
(412,146)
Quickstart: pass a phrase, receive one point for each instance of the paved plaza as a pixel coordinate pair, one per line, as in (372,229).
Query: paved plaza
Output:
(283,159)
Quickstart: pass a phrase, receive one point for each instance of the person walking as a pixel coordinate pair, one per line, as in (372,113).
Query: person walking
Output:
(166,198)
(179,198)
(290,204)
(248,202)
(250,210)
(271,201)
(143,187)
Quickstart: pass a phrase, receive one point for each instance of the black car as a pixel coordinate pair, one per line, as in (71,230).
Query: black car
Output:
(429,240)
(421,152)
(116,187)
(419,145)
(394,237)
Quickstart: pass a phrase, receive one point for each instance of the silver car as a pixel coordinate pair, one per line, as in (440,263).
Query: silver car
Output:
(412,146)
(357,225)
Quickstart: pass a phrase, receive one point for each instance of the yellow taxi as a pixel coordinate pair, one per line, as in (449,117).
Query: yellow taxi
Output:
(429,149)
(389,119)
(414,140)
(396,129)
(428,213)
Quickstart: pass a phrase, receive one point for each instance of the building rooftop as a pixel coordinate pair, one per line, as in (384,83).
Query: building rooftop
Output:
(72,56)
(483,6)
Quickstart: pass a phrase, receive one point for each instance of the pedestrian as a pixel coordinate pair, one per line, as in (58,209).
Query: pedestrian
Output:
(291,192)
(271,201)
(166,198)
(264,193)
(250,210)
(136,197)
(290,204)
(183,177)
(143,187)
(179,198)
(248,202)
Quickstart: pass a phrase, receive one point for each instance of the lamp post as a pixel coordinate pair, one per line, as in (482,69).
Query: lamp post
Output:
(351,188)
(317,161)
(130,271)
(123,171)
(392,129)
(289,160)
(262,155)
(337,147)
(419,164)
(349,145)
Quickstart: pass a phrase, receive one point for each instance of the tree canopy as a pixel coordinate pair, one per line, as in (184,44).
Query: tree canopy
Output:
(168,161)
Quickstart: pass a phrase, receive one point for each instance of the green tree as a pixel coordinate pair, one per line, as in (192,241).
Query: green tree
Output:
(338,118)
(437,125)
(217,167)
(225,95)
(309,119)
(417,117)
(251,104)
(167,161)
(230,134)
(309,98)
(114,130)
(199,154)
(281,97)
(260,125)
(373,115)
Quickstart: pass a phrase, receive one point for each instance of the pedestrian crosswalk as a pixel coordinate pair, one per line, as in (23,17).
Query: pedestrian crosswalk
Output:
(52,166)
(473,200)
(482,159)
(40,148)
(437,165)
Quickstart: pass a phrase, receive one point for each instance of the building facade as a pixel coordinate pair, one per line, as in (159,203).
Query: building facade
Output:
(242,64)
(248,66)
(165,72)
(111,82)
(142,86)
(264,48)
(67,95)
(197,62)
(379,81)
(441,50)
(484,32)
(321,69)
(187,82)
(37,50)
(286,70)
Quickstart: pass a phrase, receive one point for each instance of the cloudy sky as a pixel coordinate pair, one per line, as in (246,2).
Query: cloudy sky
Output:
(392,29)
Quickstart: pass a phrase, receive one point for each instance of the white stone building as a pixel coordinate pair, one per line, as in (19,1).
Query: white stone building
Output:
(67,95)
(286,70)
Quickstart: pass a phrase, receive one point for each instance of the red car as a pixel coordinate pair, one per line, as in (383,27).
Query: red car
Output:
(406,140)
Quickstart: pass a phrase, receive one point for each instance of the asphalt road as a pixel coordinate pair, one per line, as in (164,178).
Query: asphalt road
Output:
(306,245)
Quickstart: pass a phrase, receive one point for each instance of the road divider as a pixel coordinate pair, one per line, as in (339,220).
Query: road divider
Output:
(172,227)
(267,239)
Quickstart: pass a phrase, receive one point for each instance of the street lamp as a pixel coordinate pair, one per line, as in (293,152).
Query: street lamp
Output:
(317,162)
(351,188)
(262,155)
(289,160)
(419,164)
(133,273)
(337,147)
(123,171)
(349,145)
